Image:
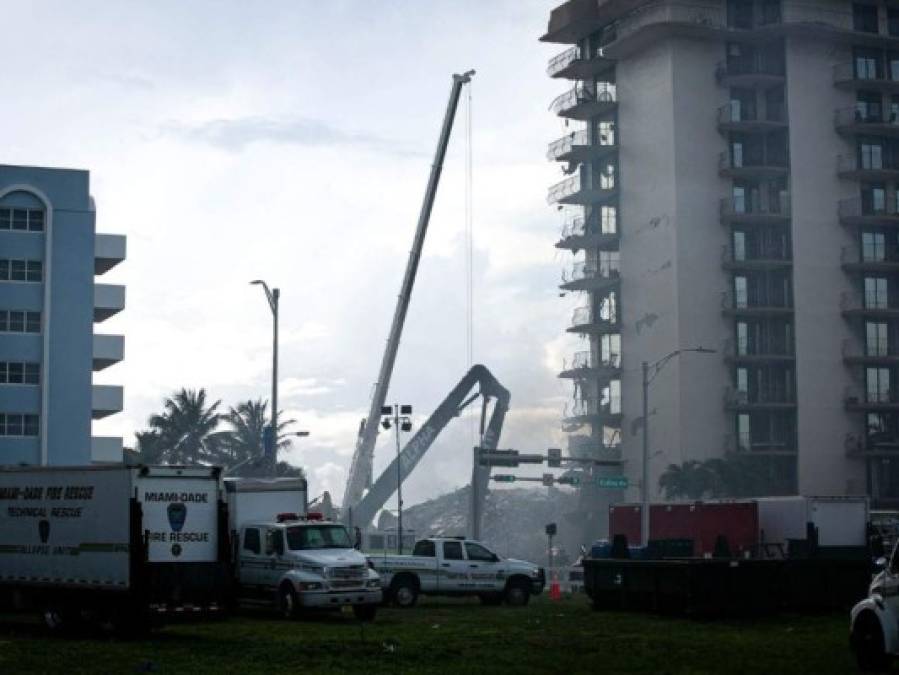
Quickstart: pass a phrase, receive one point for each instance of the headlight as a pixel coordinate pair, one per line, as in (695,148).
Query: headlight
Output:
(310,586)
(314,569)
(535,573)
(373,583)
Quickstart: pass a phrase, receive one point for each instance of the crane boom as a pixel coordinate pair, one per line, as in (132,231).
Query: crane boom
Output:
(489,388)
(360,473)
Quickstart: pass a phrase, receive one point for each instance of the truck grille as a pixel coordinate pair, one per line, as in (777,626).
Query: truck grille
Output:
(346,583)
(355,572)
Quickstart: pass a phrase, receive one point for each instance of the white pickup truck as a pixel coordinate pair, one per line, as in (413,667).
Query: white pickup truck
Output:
(284,555)
(874,622)
(456,566)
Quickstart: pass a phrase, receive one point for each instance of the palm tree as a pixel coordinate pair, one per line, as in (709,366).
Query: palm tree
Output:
(243,444)
(690,480)
(185,433)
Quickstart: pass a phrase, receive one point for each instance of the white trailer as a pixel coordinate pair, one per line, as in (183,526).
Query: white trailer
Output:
(121,543)
(839,521)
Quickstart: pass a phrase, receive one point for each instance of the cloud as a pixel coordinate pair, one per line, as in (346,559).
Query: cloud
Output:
(235,134)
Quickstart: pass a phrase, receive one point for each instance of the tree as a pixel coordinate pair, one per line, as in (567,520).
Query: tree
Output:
(690,480)
(185,432)
(243,443)
(734,476)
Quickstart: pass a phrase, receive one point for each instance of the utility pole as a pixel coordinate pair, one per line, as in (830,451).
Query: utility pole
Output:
(398,416)
(270,439)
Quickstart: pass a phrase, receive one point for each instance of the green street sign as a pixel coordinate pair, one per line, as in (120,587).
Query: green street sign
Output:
(612,482)
(503,478)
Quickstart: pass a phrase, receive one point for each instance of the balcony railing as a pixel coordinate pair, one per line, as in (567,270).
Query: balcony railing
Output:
(734,113)
(857,398)
(575,226)
(754,68)
(744,349)
(604,92)
(874,116)
(563,60)
(748,302)
(743,442)
(846,73)
(581,271)
(585,407)
(564,145)
(735,207)
(852,255)
(583,316)
(857,351)
(851,164)
(671,12)
(757,254)
(728,162)
(739,397)
(573,191)
(586,360)
(854,208)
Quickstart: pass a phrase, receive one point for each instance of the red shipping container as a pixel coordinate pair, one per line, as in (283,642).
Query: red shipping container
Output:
(702,522)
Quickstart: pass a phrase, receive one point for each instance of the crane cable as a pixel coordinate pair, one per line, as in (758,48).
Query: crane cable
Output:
(469,251)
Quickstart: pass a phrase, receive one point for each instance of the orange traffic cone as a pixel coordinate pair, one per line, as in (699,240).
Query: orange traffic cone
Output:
(555,592)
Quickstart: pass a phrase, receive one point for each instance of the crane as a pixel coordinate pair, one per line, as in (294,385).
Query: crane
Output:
(454,403)
(360,474)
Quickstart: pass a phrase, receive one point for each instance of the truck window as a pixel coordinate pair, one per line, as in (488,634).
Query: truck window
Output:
(425,549)
(477,552)
(452,550)
(251,540)
(317,536)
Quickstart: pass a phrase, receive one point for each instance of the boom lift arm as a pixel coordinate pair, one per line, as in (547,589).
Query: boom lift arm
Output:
(455,402)
(360,473)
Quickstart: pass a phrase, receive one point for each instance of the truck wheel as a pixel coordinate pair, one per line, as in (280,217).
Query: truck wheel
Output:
(867,641)
(517,594)
(404,592)
(288,602)
(365,612)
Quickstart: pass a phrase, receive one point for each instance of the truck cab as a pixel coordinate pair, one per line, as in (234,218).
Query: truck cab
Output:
(455,567)
(305,563)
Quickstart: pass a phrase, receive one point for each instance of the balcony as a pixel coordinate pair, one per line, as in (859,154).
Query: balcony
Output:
(741,167)
(750,74)
(737,400)
(745,306)
(757,447)
(868,122)
(573,64)
(576,236)
(106,449)
(106,400)
(852,262)
(734,117)
(747,353)
(578,147)
(584,322)
(572,191)
(873,401)
(108,350)
(856,353)
(867,305)
(845,76)
(853,214)
(870,446)
(746,211)
(583,103)
(585,276)
(762,258)
(872,169)
(109,300)
(109,251)
(657,21)
(584,365)
(592,411)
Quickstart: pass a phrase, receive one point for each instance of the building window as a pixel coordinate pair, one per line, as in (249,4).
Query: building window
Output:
(608,220)
(19,373)
(739,245)
(876,293)
(870,154)
(867,63)
(741,292)
(864,17)
(874,199)
(14,321)
(21,270)
(893,22)
(873,246)
(868,107)
(16,424)
(876,338)
(878,385)
(22,220)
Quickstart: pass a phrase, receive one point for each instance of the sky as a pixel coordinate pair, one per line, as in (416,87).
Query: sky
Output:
(292,141)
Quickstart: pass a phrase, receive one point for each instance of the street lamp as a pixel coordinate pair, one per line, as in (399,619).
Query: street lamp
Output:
(650,371)
(398,417)
(270,439)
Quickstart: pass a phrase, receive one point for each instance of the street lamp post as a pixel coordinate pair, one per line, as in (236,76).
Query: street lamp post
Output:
(398,417)
(273,295)
(650,371)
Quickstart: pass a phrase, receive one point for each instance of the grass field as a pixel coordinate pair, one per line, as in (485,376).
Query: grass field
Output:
(447,636)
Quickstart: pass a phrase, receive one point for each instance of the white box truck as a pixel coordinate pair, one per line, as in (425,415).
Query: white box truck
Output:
(292,559)
(114,543)
(839,521)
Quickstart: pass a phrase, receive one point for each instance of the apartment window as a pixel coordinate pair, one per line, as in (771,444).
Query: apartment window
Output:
(739,200)
(739,14)
(878,385)
(15,424)
(23,220)
(21,270)
(770,12)
(19,373)
(742,338)
(608,220)
(610,350)
(744,438)
(608,263)
(870,154)
(874,198)
(876,293)
(893,22)
(873,246)
(742,105)
(739,245)
(893,65)
(742,385)
(775,105)
(605,132)
(13,321)
(868,107)
(607,177)
(876,338)
(611,397)
(741,292)
(867,63)
(864,17)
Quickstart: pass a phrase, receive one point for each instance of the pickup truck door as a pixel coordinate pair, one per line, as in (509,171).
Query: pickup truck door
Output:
(453,573)
(483,567)
(250,557)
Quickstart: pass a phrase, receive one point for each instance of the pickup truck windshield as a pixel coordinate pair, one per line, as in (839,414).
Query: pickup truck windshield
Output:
(317,536)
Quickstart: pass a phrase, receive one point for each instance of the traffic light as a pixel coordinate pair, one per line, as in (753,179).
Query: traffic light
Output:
(504,478)
(488,457)
(548,480)
(572,479)
(554,457)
